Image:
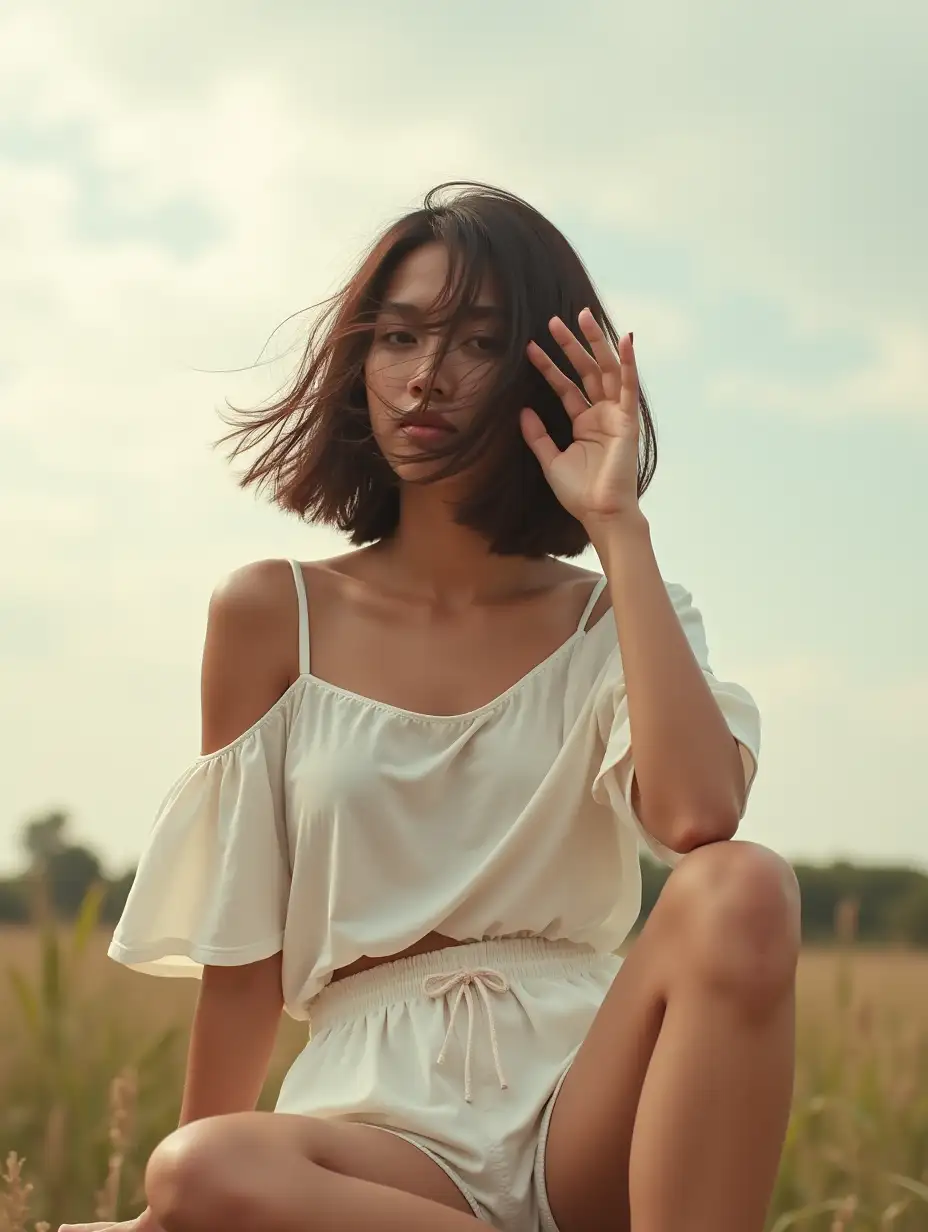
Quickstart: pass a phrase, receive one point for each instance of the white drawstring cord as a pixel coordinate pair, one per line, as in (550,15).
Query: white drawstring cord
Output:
(486,981)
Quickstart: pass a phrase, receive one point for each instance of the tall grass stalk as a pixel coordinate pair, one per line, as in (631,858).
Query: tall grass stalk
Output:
(75,1072)
(87,1090)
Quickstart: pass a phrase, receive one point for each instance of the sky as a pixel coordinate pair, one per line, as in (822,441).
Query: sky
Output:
(744,183)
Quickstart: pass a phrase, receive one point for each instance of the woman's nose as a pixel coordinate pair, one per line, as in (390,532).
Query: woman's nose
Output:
(419,378)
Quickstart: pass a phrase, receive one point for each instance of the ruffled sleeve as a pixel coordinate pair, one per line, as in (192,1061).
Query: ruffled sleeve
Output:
(615,777)
(213,882)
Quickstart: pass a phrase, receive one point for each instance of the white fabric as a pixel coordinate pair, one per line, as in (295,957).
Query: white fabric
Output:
(376,1036)
(440,983)
(337,826)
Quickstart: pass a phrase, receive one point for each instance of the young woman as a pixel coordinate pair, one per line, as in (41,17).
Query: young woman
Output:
(426,768)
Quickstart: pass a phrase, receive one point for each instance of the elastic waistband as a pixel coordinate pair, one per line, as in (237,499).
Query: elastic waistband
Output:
(403,979)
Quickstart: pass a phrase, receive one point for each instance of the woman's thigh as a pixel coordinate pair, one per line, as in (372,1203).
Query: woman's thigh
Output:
(707,918)
(211,1155)
(590,1131)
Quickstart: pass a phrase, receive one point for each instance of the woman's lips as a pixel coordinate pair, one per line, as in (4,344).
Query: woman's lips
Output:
(426,434)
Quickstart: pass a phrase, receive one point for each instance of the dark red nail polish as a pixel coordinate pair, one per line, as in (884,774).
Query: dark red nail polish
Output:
(632,338)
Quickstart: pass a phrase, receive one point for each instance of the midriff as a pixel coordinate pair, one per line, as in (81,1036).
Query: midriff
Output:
(425,945)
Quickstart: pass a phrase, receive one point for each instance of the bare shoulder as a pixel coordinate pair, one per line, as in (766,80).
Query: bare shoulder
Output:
(258,593)
(250,650)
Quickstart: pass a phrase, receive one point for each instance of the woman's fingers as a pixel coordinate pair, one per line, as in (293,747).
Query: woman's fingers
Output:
(608,361)
(537,438)
(570,394)
(585,363)
(605,377)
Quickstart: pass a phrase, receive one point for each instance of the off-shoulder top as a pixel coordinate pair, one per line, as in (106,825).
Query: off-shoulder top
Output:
(337,826)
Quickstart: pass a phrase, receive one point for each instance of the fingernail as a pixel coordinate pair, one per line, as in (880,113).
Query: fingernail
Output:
(631,338)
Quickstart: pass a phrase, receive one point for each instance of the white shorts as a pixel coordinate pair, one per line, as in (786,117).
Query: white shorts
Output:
(460,1051)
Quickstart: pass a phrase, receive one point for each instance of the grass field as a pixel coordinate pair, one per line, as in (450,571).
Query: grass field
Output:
(91,1065)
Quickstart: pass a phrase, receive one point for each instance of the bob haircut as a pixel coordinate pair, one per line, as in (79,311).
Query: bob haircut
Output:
(319,457)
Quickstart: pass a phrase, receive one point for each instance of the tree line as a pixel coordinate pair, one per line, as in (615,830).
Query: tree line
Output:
(840,902)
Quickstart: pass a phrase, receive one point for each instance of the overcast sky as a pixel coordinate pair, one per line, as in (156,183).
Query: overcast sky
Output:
(748,186)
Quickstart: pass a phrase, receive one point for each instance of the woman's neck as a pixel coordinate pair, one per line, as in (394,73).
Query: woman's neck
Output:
(438,559)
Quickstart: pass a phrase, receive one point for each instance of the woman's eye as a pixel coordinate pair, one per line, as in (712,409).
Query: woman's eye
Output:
(397,337)
(486,342)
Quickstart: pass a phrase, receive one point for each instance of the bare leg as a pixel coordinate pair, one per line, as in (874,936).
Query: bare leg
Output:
(270,1172)
(674,1111)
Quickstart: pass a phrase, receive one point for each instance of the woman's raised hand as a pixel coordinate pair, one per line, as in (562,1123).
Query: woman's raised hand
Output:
(596,477)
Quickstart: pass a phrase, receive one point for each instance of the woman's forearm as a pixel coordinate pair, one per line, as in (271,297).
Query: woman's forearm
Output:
(232,1038)
(688,769)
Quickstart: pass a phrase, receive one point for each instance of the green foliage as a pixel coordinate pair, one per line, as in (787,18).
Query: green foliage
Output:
(858,1135)
(87,1094)
(69,1049)
(877,890)
(117,891)
(14,901)
(890,904)
(44,836)
(908,916)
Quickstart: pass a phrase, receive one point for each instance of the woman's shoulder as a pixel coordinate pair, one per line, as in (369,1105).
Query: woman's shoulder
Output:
(250,652)
(256,591)
(599,650)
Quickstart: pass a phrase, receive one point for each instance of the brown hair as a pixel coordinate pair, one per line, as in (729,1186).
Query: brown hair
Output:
(320,459)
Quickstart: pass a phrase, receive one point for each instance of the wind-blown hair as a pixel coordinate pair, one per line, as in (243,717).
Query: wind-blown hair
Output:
(318,456)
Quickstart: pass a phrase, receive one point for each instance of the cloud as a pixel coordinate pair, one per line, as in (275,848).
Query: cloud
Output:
(890,381)
(793,678)
(903,703)
(175,180)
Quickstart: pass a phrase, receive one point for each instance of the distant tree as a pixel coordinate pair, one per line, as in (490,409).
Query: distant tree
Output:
(116,895)
(877,890)
(14,901)
(59,872)
(888,904)
(908,919)
(71,872)
(44,836)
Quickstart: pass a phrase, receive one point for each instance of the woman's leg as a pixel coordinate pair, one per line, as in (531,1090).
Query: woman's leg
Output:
(271,1172)
(674,1111)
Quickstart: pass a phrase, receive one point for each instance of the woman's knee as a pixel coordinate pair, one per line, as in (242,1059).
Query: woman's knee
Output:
(198,1176)
(735,911)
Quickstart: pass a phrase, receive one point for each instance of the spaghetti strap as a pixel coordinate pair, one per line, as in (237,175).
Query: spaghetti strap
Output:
(588,610)
(304,616)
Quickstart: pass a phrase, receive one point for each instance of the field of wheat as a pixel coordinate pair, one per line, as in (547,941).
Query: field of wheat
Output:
(91,1065)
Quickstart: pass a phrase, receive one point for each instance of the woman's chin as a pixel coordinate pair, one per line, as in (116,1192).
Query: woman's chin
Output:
(411,464)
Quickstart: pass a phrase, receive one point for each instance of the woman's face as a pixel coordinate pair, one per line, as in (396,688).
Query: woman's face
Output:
(402,355)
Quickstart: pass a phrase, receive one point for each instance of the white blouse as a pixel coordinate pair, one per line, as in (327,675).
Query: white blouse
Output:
(337,826)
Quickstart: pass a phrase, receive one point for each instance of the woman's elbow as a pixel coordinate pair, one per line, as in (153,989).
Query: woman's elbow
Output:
(687,831)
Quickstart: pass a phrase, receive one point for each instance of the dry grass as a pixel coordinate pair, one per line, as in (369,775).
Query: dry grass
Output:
(92,1062)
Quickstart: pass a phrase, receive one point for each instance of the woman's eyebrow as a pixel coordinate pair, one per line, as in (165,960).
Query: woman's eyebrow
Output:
(412,312)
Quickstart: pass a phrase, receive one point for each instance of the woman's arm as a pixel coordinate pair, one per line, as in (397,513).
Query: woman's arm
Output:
(689,777)
(248,657)
(688,769)
(232,1038)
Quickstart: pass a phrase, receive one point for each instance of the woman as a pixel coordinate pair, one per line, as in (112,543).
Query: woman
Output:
(426,767)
